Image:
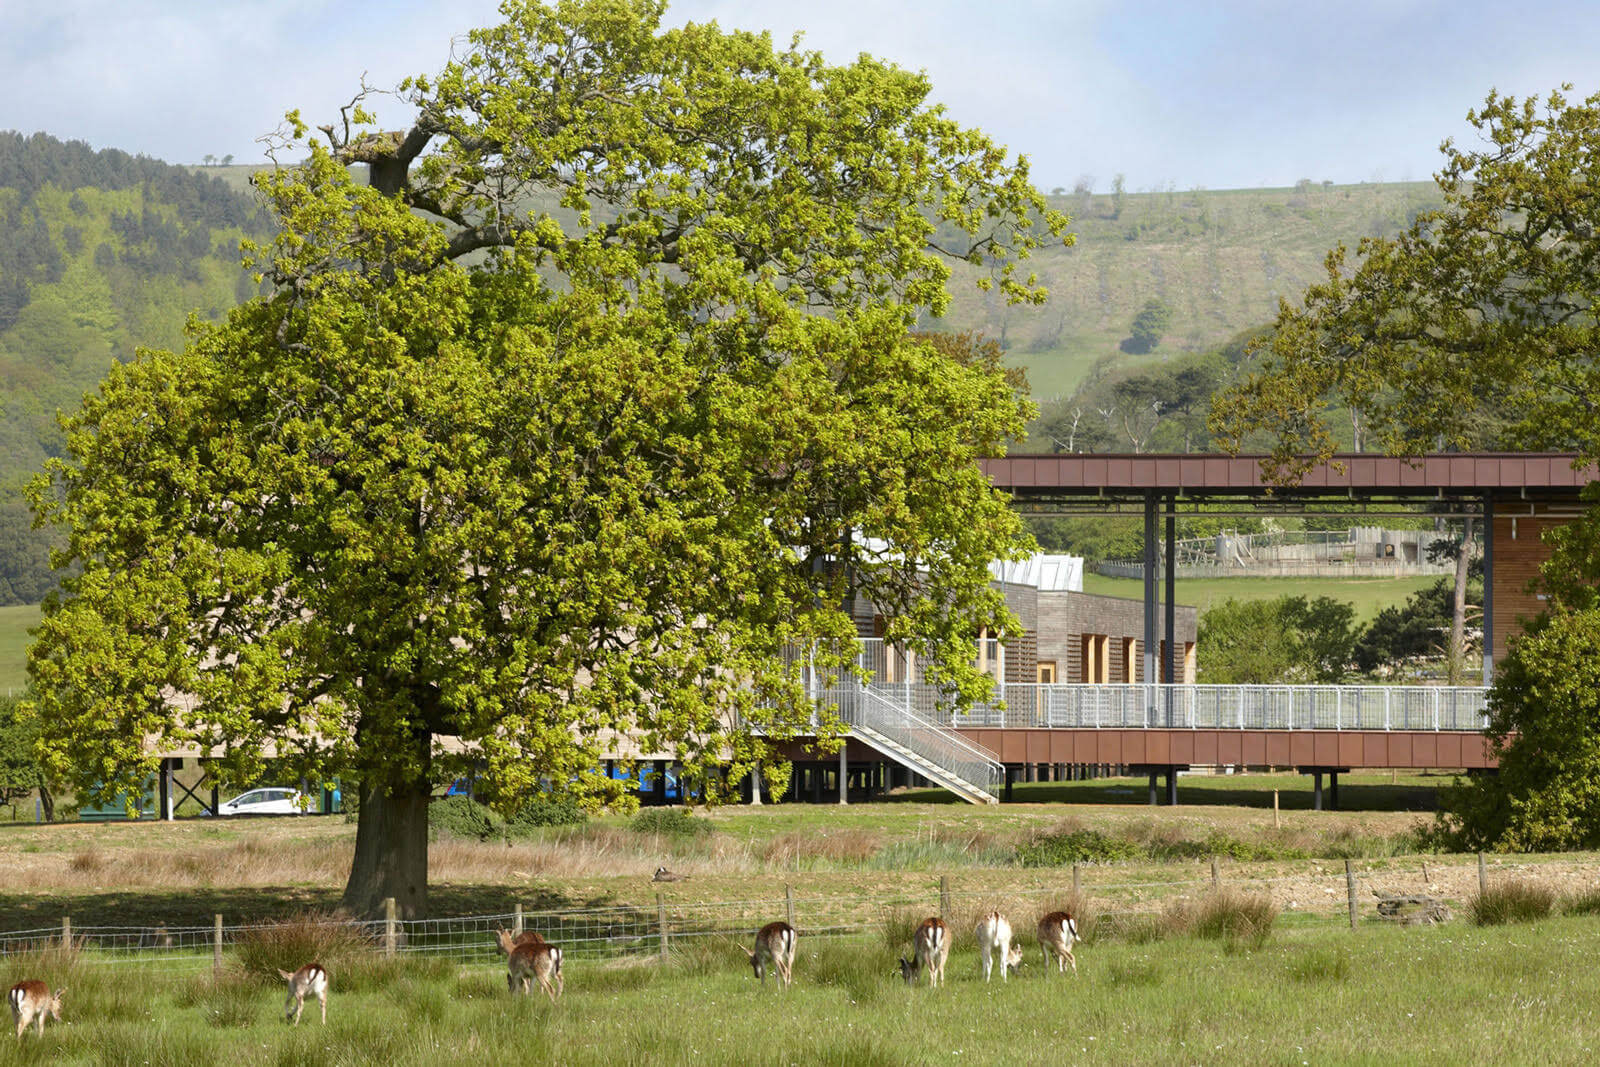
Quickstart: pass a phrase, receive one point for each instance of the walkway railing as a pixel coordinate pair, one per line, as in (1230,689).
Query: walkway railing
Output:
(1231,707)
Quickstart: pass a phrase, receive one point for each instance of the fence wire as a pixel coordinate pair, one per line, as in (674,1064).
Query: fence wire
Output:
(656,929)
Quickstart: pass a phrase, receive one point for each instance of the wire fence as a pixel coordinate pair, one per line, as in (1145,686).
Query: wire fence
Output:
(1316,895)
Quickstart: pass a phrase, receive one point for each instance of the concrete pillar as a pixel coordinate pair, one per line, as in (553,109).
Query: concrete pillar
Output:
(1488,589)
(1153,794)
(1316,790)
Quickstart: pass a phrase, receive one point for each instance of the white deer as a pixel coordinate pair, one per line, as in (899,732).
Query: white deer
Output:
(930,947)
(994,936)
(1057,931)
(309,981)
(32,1001)
(775,947)
(527,963)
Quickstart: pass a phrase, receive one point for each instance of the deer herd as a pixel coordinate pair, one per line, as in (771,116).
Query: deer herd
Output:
(530,958)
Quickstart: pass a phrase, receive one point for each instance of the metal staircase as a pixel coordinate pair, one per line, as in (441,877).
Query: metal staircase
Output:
(878,718)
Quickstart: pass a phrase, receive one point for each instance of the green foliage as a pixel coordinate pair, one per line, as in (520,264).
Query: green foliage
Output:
(465,818)
(1420,628)
(565,426)
(1544,727)
(548,810)
(1075,846)
(1230,916)
(670,822)
(265,950)
(1290,639)
(1512,902)
(20,773)
(1149,326)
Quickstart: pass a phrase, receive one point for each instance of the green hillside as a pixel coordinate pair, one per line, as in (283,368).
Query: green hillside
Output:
(1219,261)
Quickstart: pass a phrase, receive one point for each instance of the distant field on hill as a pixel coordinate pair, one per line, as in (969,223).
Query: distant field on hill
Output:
(14,624)
(1369,595)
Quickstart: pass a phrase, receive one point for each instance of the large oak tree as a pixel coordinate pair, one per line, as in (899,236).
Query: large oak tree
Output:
(575,402)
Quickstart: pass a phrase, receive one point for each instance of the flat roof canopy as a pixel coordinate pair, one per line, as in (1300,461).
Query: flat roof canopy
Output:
(1099,482)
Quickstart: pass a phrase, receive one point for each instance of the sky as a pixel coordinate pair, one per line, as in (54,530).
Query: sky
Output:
(1217,95)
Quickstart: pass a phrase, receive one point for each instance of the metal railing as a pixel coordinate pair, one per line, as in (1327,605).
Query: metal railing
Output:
(883,711)
(1234,707)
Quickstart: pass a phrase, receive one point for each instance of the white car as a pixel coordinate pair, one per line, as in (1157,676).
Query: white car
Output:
(269,801)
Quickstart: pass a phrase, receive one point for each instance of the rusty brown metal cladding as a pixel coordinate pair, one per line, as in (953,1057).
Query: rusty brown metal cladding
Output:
(1419,749)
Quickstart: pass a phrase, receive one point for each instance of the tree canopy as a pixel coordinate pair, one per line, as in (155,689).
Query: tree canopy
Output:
(591,399)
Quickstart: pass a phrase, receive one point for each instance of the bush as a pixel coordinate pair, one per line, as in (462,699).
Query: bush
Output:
(1585,903)
(546,810)
(1075,846)
(669,822)
(465,818)
(1512,902)
(1226,915)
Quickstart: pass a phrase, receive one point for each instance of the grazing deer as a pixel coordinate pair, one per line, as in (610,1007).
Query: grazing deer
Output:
(774,945)
(309,981)
(526,963)
(507,942)
(994,936)
(1057,932)
(930,947)
(32,1001)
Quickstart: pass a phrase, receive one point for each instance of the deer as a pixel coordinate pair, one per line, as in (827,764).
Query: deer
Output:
(1057,931)
(775,946)
(529,962)
(507,942)
(930,947)
(309,981)
(31,1002)
(994,936)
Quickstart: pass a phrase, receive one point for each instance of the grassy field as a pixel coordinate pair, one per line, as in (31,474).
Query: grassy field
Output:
(1369,595)
(1376,994)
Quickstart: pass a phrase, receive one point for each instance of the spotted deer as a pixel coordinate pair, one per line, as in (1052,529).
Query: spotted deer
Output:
(1057,931)
(528,963)
(31,1002)
(930,947)
(994,942)
(774,947)
(309,981)
(508,942)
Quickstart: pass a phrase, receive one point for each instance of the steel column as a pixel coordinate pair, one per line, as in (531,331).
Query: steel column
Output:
(1488,589)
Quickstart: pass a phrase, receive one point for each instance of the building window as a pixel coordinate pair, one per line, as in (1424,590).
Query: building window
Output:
(1096,659)
(1130,660)
(1047,672)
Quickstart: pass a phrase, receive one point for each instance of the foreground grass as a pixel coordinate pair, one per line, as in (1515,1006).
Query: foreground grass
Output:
(1374,995)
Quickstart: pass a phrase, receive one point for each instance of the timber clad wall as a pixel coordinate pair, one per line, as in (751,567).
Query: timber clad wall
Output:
(1519,549)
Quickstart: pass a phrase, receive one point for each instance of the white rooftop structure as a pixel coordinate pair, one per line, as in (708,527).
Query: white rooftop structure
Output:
(1045,572)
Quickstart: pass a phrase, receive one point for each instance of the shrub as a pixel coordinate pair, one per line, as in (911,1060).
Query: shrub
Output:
(547,810)
(1075,846)
(1512,902)
(465,818)
(1320,965)
(1585,903)
(669,822)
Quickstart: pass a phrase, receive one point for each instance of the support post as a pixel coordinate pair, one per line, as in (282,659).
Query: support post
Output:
(788,904)
(1172,787)
(1216,875)
(165,779)
(1075,882)
(388,927)
(755,786)
(844,773)
(661,925)
(1350,884)
(66,925)
(516,921)
(1316,790)
(1488,590)
(1149,591)
(216,946)
(1169,673)
(944,897)
(1154,800)
(1483,876)
(1333,790)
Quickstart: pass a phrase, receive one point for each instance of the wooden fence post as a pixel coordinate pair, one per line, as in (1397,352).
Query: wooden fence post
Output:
(1216,875)
(66,931)
(944,897)
(1075,880)
(661,921)
(216,946)
(1483,876)
(516,922)
(1275,824)
(1350,884)
(388,926)
(788,905)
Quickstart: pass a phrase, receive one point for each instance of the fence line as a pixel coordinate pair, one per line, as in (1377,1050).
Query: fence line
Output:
(635,932)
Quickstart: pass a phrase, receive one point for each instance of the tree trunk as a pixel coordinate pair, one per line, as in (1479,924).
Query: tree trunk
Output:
(1458,615)
(391,857)
(47,803)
